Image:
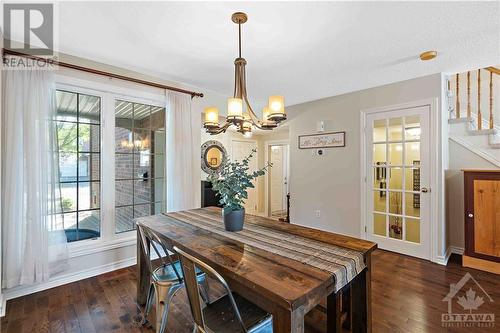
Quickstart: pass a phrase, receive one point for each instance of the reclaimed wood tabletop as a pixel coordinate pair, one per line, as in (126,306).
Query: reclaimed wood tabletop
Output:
(285,287)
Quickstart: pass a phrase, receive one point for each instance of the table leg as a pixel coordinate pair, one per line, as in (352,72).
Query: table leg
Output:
(333,313)
(359,304)
(285,321)
(346,308)
(143,277)
(368,283)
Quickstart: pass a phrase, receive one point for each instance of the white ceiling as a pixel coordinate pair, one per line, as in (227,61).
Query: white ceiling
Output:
(303,50)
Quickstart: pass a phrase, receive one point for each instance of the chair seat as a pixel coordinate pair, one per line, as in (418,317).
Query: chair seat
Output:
(219,316)
(166,273)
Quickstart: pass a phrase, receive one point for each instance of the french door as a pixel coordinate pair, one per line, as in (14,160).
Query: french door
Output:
(397,180)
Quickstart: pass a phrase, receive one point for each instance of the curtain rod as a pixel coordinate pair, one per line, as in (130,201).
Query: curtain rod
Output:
(103,73)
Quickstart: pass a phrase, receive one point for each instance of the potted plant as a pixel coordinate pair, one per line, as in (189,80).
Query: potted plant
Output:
(231,182)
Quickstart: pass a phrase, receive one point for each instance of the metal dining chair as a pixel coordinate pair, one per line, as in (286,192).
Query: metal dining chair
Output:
(222,315)
(166,279)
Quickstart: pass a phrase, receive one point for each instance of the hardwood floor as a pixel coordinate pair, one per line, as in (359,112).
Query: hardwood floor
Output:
(407,297)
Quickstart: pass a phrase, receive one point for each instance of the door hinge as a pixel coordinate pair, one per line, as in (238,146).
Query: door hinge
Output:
(365,229)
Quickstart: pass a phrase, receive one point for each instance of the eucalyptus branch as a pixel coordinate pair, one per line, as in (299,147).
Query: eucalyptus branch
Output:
(233,179)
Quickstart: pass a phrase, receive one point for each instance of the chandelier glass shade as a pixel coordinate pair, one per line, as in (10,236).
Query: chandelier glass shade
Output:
(239,110)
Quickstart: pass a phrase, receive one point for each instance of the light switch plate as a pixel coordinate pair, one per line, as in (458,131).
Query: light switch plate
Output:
(320,126)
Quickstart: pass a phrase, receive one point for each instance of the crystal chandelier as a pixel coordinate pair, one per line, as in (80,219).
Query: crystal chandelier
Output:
(244,120)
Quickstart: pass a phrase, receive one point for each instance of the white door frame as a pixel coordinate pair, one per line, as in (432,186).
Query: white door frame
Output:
(267,145)
(436,187)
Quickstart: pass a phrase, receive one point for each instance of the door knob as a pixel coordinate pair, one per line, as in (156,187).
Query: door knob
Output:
(470,215)
(425,190)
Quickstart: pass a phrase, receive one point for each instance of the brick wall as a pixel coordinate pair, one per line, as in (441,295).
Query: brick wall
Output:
(136,167)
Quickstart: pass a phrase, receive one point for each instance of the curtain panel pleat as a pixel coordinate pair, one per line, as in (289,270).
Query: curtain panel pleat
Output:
(33,246)
(183,153)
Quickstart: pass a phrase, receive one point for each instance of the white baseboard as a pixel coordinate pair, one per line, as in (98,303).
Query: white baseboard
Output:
(65,279)
(457,250)
(443,260)
(3,305)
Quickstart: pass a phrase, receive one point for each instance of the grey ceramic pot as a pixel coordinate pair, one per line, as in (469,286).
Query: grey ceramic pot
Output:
(233,221)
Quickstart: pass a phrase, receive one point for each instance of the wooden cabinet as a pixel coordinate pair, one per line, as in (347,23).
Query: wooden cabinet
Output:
(482,219)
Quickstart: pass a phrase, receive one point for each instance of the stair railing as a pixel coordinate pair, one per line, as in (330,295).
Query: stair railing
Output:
(479,114)
(469,109)
(491,101)
(492,71)
(457,105)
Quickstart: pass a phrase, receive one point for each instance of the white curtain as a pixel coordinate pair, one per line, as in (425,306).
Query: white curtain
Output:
(183,153)
(33,246)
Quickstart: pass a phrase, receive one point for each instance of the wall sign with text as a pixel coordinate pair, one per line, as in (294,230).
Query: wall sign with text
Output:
(322,140)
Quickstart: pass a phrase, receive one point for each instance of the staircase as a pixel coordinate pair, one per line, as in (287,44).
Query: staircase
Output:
(473,112)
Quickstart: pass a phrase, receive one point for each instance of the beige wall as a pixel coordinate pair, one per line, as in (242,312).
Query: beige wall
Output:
(331,183)
(459,158)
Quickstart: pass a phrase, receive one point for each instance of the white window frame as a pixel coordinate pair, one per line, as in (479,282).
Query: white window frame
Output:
(108,93)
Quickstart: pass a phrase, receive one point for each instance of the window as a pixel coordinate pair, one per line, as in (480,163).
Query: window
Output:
(78,122)
(139,162)
(111,153)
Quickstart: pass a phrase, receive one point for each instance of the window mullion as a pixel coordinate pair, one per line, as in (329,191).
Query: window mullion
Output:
(107,167)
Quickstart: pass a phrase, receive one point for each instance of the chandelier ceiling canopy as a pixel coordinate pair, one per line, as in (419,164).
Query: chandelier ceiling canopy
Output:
(239,110)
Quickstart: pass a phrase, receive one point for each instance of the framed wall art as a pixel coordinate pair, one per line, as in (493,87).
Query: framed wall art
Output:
(322,140)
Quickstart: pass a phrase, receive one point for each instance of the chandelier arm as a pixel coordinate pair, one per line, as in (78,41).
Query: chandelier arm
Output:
(220,129)
(240,82)
(235,79)
(253,116)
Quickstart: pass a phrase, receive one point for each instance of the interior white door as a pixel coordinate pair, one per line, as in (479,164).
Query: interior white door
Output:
(278,176)
(240,150)
(397,180)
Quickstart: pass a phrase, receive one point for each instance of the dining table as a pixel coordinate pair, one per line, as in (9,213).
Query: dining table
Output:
(287,269)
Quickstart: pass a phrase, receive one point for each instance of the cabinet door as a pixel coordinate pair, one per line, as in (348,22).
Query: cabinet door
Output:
(487,217)
(482,215)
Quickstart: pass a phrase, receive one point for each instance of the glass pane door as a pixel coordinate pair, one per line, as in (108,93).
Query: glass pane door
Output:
(394,175)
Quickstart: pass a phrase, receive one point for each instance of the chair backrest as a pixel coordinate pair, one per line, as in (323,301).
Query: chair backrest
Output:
(189,264)
(151,239)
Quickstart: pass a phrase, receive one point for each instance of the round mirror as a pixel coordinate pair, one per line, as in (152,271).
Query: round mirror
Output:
(212,155)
